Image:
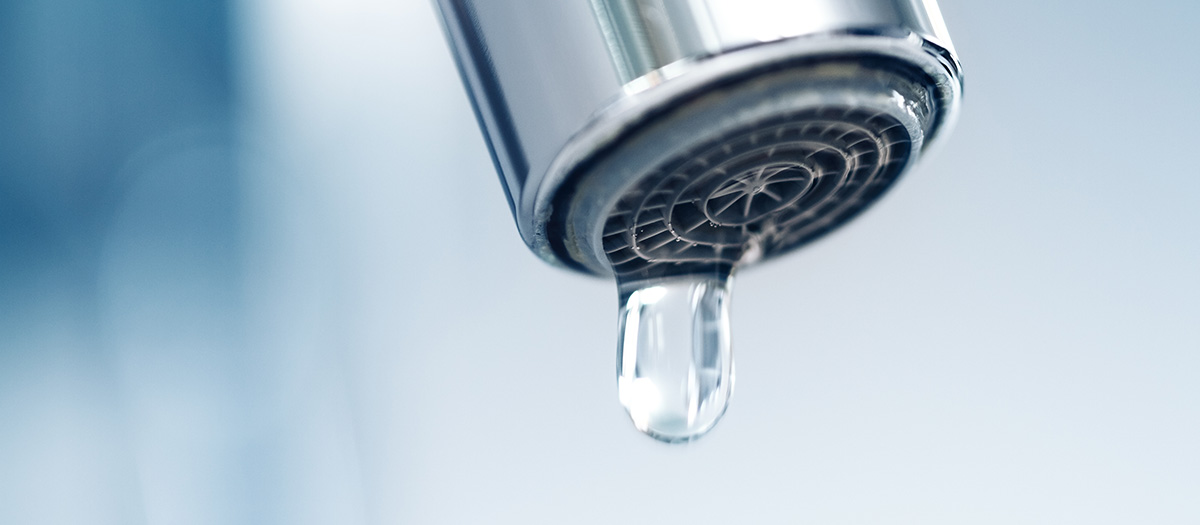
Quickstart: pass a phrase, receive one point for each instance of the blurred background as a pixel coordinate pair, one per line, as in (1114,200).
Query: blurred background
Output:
(256,267)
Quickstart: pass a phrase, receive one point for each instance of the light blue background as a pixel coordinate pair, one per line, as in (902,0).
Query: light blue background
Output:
(256,268)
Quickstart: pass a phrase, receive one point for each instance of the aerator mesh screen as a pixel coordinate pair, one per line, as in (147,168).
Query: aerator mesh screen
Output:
(771,185)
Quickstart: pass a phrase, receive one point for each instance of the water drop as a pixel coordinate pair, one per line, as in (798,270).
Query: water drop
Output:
(674,361)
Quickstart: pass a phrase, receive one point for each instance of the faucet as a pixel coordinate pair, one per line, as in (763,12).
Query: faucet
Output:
(668,143)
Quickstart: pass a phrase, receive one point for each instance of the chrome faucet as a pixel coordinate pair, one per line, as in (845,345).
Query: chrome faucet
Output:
(667,142)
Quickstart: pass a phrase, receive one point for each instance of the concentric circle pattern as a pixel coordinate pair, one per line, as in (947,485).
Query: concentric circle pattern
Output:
(767,188)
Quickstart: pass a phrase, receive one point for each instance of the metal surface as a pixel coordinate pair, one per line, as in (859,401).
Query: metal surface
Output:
(556,83)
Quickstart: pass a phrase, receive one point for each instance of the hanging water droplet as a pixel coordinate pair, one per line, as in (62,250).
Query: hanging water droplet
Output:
(674,362)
